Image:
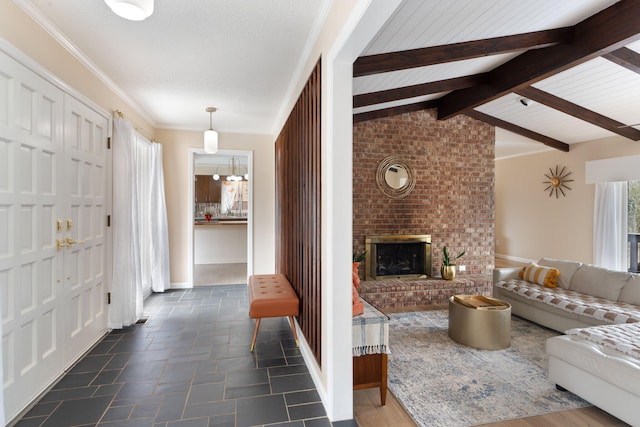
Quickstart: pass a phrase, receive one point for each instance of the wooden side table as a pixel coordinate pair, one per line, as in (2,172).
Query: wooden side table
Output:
(370,349)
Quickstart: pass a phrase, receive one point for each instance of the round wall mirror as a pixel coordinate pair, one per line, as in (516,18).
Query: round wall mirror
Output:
(395,177)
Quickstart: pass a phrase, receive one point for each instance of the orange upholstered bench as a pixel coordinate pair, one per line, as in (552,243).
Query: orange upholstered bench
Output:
(271,295)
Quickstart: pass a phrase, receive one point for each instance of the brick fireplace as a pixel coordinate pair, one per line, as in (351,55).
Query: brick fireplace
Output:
(398,256)
(453,199)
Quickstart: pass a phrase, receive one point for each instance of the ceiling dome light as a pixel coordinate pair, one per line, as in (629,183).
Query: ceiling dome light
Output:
(133,10)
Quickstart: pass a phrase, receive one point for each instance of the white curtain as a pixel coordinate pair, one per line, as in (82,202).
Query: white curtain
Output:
(143,175)
(610,225)
(126,289)
(154,229)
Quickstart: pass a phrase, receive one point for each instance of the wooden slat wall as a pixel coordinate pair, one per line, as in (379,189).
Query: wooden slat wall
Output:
(298,207)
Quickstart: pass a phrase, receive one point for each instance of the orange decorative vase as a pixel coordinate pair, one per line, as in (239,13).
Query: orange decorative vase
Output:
(356,278)
(357,305)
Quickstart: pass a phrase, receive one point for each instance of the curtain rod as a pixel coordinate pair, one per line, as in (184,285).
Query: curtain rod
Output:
(136,127)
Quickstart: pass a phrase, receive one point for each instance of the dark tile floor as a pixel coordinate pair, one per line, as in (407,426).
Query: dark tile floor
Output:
(188,365)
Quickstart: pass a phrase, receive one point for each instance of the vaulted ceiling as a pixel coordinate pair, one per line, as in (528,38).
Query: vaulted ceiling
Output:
(556,72)
(576,61)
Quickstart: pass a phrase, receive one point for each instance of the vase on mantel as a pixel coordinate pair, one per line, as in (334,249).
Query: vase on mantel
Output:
(448,272)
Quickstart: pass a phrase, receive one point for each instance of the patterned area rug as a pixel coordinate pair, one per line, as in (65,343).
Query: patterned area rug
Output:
(443,383)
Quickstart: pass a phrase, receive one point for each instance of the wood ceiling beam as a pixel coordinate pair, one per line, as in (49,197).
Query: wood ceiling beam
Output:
(599,34)
(393,111)
(579,112)
(413,58)
(551,142)
(625,57)
(422,89)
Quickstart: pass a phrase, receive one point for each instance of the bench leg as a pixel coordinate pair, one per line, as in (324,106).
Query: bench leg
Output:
(255,334)
(293,328)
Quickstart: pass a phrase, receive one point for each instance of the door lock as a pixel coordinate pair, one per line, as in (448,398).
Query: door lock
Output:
(61,243)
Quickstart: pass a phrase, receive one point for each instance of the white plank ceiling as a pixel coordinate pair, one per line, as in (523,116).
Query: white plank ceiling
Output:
(598,85)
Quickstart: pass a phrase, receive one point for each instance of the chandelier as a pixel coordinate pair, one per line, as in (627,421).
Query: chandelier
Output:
(234,172)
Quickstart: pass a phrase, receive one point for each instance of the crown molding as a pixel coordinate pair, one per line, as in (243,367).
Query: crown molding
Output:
(41,20)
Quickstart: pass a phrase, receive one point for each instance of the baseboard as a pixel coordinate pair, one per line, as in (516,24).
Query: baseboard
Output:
(202,261)
(514,258)
(180,285)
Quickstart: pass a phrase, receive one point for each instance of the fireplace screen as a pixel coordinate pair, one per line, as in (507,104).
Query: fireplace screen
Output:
(398,256)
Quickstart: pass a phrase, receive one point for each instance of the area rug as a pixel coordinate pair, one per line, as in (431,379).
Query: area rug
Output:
(442,383)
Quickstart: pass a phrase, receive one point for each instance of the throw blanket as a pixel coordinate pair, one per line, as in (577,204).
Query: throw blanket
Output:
(624,337)
(370,332)
(575,302)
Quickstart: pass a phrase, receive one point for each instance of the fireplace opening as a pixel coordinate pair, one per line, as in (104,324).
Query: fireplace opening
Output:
(398,256)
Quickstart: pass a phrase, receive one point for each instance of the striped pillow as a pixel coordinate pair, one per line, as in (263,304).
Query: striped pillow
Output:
(545,276)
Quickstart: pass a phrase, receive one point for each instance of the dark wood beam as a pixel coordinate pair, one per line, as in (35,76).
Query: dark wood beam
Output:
(393,111)
(413,58)
(551,142)
(579,112)
(625,57)
(599,34)
(422,89)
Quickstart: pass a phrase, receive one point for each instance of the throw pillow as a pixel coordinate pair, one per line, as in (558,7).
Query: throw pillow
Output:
(545,276)
(566,268)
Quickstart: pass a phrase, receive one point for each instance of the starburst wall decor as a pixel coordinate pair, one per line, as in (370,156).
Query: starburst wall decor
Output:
(556,181)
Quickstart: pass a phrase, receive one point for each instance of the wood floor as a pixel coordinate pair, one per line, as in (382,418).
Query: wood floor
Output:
(369,413)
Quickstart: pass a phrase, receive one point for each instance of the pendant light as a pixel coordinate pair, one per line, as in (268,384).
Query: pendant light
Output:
(210,135)
(133,10)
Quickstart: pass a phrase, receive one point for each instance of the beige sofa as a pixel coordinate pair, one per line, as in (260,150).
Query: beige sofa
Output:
(586,296)
(598,310)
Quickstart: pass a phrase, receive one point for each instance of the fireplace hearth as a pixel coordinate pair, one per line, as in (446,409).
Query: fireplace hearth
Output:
(398,256)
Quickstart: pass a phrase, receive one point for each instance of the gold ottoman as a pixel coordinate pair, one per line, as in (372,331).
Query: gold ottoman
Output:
(480,322)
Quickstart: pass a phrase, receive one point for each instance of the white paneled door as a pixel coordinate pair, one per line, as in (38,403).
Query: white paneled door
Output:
(53,181)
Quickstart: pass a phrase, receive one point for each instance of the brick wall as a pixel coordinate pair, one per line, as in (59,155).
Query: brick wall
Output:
(453,199)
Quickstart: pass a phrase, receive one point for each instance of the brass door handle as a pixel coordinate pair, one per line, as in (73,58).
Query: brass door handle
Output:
(60,243)
(71,242)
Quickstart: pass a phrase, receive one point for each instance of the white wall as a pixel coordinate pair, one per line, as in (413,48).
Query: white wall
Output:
(176,147)
(529,223)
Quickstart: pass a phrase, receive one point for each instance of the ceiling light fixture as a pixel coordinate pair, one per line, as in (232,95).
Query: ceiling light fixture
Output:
(210,135)
(133,10)
(234,171)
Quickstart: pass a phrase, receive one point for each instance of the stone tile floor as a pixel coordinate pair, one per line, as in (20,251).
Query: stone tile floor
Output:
(188,365)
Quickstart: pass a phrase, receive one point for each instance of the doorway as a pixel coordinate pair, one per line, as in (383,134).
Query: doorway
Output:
(221,212)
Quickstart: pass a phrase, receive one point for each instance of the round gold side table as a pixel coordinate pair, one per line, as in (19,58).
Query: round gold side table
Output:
(480,322)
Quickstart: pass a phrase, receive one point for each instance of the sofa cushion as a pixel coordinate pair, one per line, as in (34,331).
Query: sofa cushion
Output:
(599,282)
(566,269)
(545,276)
(630,293)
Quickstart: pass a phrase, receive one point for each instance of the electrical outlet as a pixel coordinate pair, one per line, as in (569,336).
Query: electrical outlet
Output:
(462,268)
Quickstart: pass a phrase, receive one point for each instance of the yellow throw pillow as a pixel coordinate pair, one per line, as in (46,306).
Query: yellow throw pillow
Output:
(545,276)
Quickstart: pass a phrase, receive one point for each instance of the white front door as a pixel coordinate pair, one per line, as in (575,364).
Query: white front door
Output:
(85,160)
(52,188)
